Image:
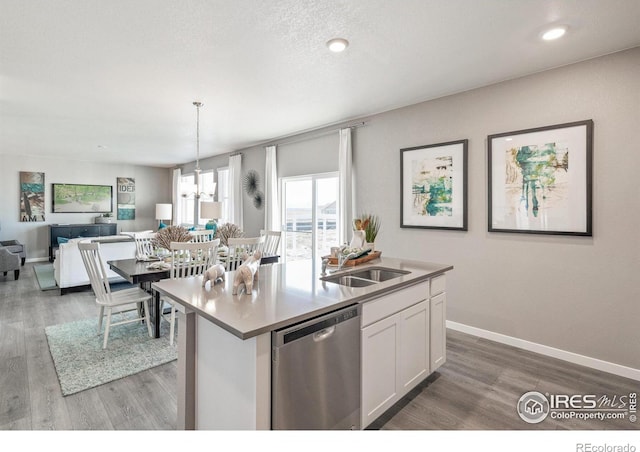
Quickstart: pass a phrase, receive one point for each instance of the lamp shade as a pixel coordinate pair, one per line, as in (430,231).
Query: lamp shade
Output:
(210,210)
(164,211)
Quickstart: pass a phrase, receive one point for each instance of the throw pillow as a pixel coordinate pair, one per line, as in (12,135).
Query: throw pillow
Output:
(162,226)
(62,240)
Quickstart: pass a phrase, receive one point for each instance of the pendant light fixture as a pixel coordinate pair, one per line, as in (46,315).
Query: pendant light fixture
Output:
(195,189)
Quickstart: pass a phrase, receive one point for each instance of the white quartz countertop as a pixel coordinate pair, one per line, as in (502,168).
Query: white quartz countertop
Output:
(286,294)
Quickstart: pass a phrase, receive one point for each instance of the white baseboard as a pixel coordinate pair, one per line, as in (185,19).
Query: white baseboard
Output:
(594,363)
(37,259)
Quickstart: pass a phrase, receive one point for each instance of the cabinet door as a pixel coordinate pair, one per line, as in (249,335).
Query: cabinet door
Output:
(414,346)
(108,229)
(438,334)
(380,349)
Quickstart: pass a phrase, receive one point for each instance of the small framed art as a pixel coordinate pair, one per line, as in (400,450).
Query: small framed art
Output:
(540,180)
(433,186)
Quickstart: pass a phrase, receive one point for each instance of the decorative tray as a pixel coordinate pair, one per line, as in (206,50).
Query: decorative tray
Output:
(352,262)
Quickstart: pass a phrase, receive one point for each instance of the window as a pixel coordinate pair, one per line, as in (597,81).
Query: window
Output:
(310,215)
(207,186)
(188,202)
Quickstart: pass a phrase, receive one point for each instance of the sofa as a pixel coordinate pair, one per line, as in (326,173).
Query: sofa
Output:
(68,268)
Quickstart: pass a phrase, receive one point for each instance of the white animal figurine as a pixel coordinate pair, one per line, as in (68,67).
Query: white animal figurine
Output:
(247,273)
(213,273)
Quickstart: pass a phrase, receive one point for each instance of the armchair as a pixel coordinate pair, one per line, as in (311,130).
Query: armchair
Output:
(15,247)
(9,261)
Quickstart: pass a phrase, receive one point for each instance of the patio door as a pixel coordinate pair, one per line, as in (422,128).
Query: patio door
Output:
(310,215)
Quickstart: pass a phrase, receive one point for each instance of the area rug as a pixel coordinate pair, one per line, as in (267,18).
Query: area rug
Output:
(44,275)
(81,363)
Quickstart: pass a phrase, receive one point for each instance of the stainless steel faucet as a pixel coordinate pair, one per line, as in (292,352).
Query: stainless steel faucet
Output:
(342,258)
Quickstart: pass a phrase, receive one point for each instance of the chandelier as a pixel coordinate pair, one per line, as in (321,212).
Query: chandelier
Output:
(194,191)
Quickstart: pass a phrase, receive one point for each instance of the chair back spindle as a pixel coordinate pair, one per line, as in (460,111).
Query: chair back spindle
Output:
(192,258)
(238,247)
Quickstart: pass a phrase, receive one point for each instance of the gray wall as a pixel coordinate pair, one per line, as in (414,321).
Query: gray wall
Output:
(577,294)
(311,153)
(153,185)
(573,293)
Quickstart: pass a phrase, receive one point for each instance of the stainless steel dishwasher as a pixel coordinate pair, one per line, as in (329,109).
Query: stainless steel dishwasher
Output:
(316,373)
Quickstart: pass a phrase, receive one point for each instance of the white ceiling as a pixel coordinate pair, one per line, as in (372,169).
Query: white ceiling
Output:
(77,75)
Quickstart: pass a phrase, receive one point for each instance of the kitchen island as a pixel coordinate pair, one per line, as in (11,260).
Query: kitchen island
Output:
(224,340)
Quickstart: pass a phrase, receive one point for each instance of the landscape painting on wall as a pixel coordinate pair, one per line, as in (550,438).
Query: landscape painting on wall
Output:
(126,198)
(31,196)
(540,180)
(82,198)
(433,186)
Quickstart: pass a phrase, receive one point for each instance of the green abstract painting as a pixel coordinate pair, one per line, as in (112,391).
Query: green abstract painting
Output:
(432,187)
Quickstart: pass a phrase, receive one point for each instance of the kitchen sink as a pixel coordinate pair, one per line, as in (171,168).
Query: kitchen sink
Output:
(379,274)
(365,277)
(349,281)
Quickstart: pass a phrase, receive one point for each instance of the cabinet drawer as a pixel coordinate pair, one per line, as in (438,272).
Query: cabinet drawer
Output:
(382,307)
(438,285)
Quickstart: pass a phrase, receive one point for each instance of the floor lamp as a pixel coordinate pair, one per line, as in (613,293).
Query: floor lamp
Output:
(163,212)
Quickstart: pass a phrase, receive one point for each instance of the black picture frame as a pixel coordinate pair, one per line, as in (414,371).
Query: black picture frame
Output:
(540,180)
(81,198)
(433,186)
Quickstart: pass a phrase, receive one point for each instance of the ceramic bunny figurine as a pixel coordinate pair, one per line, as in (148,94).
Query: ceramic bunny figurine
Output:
(213,274)
(247,273)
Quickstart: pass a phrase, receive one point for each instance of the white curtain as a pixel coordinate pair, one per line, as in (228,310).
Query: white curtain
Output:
(272,206)
(175,196)
(346,203)
(235,190)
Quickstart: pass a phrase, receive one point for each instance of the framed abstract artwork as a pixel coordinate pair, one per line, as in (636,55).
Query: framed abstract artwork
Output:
(81,198)
(31,196)
(126,198)
(433,186)
(540,180)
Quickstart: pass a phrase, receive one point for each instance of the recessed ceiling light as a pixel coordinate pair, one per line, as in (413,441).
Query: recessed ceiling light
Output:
(337,44)
(508,139)
(554,33)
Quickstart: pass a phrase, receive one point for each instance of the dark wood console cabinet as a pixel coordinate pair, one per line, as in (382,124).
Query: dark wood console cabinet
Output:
(72,231)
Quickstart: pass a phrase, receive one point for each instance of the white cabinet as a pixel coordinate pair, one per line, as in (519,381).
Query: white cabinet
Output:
(438,329)
(403,341)
(438,341)
(380,351)
(413,364)
(395,349)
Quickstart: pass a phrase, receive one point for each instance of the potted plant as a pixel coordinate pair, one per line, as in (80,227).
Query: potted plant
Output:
(104,218)
(370,224)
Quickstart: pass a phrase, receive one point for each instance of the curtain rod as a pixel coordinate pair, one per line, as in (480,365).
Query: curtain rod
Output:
(304,137)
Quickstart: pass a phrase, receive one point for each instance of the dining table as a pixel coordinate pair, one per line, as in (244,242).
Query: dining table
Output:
(143,273)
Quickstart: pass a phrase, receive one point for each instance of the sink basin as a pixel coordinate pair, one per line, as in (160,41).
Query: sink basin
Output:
(379,274)
(365,277)
(348,280)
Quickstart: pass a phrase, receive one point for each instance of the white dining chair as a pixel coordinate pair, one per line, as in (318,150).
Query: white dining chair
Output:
(188,259)
(271,242)
(144,243)
(238,247)
(202,235)
(110,303)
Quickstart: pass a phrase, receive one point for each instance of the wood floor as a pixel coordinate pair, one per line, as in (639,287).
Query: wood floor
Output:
(476,389)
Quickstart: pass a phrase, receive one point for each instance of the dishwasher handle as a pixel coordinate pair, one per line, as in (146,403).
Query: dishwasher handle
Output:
(324,334)
(319,328)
